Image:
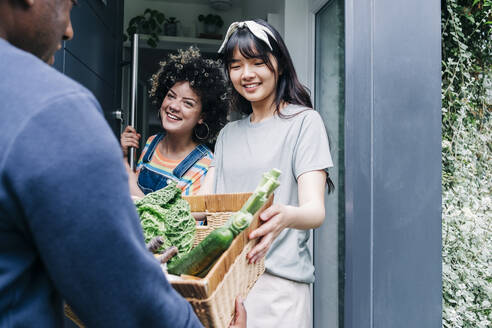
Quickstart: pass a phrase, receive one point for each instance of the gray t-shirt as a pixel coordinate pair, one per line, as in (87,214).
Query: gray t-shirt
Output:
(296,145)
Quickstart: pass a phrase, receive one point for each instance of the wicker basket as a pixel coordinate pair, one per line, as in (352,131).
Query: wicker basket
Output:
(213,297)
(218,209)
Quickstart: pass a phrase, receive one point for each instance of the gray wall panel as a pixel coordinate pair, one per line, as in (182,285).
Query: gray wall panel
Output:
(59,60)
(358,165)
(93,42)
(393,164)
(79,72)
(106,12)
(93,57)
(407,163)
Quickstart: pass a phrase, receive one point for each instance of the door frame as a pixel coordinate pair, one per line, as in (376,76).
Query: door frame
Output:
(392,158)
(319,292)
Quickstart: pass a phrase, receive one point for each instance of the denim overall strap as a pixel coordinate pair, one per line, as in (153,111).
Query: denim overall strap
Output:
(150,151)
(196,154)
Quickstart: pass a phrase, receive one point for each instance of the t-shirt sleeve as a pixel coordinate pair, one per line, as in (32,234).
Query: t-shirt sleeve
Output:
(67,175)
(311,151)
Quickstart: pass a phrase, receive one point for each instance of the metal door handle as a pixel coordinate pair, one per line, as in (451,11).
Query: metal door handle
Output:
(118,115)
(133,107)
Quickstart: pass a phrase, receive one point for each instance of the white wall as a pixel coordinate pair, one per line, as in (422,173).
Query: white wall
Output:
(295,27)
(297,32)
(294,22)
(261,8)
(187,13)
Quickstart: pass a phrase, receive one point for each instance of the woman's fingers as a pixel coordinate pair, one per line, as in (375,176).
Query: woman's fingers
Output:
(129,142)
(266,216)
(263,229)
(275,220)
(258,256)
(129,138)
(270,212)
(130,129)
(262,246)
(132,136)
(260,250)
(130,132)
(126,145)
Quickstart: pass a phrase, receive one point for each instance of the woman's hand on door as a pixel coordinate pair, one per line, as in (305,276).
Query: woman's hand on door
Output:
(129,138)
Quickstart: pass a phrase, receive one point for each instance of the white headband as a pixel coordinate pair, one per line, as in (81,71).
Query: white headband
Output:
(258,30)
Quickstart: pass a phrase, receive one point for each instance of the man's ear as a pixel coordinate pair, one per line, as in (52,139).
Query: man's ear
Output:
(200,121)
(29,3)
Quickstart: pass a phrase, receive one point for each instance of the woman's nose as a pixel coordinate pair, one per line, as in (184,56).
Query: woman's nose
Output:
(248,72)
(173,106)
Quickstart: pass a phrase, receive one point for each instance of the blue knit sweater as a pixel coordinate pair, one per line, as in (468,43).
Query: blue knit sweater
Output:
(68,227)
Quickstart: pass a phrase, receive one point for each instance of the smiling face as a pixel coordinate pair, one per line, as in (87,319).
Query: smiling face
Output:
(253,79)
(181,110)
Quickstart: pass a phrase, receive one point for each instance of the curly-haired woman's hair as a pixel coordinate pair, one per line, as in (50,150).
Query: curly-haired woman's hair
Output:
(208,81)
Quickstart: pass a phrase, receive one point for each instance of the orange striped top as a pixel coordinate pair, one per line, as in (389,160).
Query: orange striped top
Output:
(190,182)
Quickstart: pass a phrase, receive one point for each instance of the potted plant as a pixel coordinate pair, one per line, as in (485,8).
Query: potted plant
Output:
(149,23)
(171,26)
(212,23)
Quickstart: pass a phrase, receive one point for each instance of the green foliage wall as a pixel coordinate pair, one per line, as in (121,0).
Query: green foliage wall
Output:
(467,162)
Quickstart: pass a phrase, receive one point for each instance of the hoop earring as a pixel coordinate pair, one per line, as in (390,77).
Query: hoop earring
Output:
(206,135)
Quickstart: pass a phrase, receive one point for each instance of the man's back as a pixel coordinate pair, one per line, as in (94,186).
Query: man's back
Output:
(67,224)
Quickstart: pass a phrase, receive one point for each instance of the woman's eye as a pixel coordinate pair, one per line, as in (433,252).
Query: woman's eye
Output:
(235,67)
(188,104)
(259,63)
(170,96)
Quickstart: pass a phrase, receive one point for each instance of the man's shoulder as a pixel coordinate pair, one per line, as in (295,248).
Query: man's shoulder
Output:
(29,87)
(49,84)
(26,76)
(34,94)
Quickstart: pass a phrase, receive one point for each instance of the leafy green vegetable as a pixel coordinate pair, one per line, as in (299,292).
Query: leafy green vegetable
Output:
(161,197)
(164,213)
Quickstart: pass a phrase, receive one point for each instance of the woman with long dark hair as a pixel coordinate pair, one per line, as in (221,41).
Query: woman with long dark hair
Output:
(281,130)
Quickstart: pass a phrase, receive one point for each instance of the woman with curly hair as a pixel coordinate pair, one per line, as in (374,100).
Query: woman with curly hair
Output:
(192,95)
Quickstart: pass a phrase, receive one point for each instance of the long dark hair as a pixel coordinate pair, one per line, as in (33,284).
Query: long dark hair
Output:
(288,89)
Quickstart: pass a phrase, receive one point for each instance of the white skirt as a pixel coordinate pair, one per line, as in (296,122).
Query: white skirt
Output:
(278,302)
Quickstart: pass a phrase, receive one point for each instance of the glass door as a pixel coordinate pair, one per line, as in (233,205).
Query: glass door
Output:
(329,95)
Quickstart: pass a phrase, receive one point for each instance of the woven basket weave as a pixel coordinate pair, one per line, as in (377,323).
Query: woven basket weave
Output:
(212,297)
